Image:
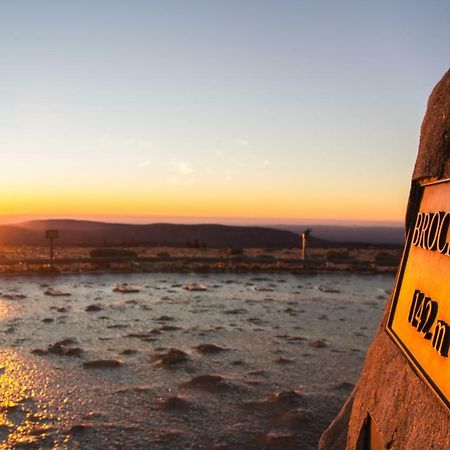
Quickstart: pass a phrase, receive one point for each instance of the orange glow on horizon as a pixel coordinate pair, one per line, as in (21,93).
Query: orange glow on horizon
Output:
(176,206)
(259,202)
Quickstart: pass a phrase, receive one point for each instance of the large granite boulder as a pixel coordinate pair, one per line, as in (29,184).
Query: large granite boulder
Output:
(406,412)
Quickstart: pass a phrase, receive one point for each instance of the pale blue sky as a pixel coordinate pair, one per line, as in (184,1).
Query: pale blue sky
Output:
(306,102)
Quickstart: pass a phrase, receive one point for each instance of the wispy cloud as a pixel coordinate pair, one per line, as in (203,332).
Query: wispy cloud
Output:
(242,142)
(181,173)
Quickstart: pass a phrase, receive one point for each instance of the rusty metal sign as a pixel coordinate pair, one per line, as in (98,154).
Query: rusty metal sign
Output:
(419,319)
(51,234)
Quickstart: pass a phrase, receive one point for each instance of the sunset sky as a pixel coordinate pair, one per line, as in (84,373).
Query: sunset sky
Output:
(257,111)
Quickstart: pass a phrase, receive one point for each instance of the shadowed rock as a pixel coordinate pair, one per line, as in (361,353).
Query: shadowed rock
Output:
(169,328)
(141,389)
(165,319)
(94,307)
(284,360)
(62,348)
(128,351)
(285,397)
(318,343)
(103,364)
(211,383)
(173,403)
(143,335)
(172,357)
(13,296)
(39,352)
(80,428)
(209,348)
(257,373)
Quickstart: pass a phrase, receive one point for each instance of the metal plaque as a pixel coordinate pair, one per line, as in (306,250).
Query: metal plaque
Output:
(419,319)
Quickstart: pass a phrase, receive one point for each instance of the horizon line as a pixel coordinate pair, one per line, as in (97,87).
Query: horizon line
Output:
(185,220)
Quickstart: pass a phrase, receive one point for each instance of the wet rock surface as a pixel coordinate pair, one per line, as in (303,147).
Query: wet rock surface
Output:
(168,370)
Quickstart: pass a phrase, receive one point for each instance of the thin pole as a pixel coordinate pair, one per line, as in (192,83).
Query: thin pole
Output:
(51,249)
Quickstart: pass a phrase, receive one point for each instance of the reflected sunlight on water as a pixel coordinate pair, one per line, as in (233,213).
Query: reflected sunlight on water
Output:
(5,311)
(24,408)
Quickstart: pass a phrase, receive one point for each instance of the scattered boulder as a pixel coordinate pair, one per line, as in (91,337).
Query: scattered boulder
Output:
(165,319)
(169,328)
(13,296)
(128,352)
(56,293)
(103,364)
(63,348)
(39,352)
(174,403)
(286,397)
(211,383)
(79,428)
(209,348)
(140,335)
(95,307)
(172,357)
(329,290)
(284,360)
(318,343)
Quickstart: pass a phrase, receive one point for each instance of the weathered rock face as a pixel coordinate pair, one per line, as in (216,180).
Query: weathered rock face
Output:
(406,412)
(433,159)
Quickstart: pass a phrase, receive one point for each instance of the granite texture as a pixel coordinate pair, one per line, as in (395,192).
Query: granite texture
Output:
(406,412)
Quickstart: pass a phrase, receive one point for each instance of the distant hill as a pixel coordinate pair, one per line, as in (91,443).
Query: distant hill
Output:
(74,232)
(16,235)
(377,235)
(90,233)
